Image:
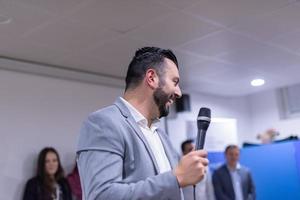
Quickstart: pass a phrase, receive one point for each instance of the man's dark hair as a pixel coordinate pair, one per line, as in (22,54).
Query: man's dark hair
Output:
(183,144)
(144,59)
(231,146)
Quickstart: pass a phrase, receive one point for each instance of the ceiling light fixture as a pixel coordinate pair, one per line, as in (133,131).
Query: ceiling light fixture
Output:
(257,82)
(5,20)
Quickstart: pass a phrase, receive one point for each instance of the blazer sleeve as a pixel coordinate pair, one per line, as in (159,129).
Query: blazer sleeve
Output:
(100,163)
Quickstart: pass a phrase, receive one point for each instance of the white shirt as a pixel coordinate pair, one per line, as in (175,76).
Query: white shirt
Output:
(152,137)
(237,182)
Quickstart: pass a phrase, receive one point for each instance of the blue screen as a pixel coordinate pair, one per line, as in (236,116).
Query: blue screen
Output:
(275,169)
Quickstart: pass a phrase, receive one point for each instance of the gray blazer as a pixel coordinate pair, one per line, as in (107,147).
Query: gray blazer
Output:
(223,186)
(115,161)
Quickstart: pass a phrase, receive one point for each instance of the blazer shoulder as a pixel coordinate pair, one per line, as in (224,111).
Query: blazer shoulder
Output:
(221,168)
(33,182)
(109,114)
(245,170)
(105,111)
(31,191)
(220,171)
(102,130)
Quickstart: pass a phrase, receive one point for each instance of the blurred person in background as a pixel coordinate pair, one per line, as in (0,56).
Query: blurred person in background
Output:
(49,182)
(204,189)
(74,182)
(268,136)
(232,181)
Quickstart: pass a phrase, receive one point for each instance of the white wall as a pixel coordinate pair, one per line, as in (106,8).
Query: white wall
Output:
(221,107)
(37,112)
(265,113)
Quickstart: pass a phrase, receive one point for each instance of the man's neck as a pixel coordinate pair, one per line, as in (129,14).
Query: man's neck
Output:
(141,102)
(232,166)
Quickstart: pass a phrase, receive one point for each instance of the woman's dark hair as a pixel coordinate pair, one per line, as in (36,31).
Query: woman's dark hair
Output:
(145,58)
(41,169)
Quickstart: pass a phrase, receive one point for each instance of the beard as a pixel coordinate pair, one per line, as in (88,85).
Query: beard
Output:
(161,98)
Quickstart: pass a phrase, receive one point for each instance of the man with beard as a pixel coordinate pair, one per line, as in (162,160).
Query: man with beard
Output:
(122,154)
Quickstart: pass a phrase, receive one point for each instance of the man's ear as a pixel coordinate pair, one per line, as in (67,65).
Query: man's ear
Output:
(151,78)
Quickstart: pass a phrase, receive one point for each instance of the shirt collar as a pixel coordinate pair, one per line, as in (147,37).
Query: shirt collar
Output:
(139,118)
(238,166)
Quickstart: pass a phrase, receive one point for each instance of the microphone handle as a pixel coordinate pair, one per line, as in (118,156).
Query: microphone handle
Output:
(200,139)
(199,145)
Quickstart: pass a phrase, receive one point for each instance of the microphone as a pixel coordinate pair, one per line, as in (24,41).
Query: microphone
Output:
(203,121)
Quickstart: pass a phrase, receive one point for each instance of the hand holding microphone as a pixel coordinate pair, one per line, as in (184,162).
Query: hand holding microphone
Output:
(191,168)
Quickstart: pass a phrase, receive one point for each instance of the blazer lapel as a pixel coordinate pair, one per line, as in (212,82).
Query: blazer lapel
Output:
(243,178)
(126,113)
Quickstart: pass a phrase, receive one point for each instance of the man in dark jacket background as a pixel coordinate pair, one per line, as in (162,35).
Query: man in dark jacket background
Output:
(232,181)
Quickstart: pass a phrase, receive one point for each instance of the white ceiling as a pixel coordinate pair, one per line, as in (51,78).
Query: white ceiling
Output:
(221,44)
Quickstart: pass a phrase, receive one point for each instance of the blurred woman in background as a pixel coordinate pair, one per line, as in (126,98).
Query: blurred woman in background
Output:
(74,182)
(49,182)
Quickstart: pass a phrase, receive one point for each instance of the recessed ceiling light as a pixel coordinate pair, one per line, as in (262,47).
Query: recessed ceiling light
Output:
(257,82)
(5,20)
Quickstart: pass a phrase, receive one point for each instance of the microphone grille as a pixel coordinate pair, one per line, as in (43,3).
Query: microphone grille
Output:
(204,112)
(203,119)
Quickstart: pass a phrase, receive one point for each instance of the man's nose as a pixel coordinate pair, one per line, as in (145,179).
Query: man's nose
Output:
(178,93)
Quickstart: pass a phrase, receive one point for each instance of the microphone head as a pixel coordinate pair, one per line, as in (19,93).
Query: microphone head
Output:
(203,119)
